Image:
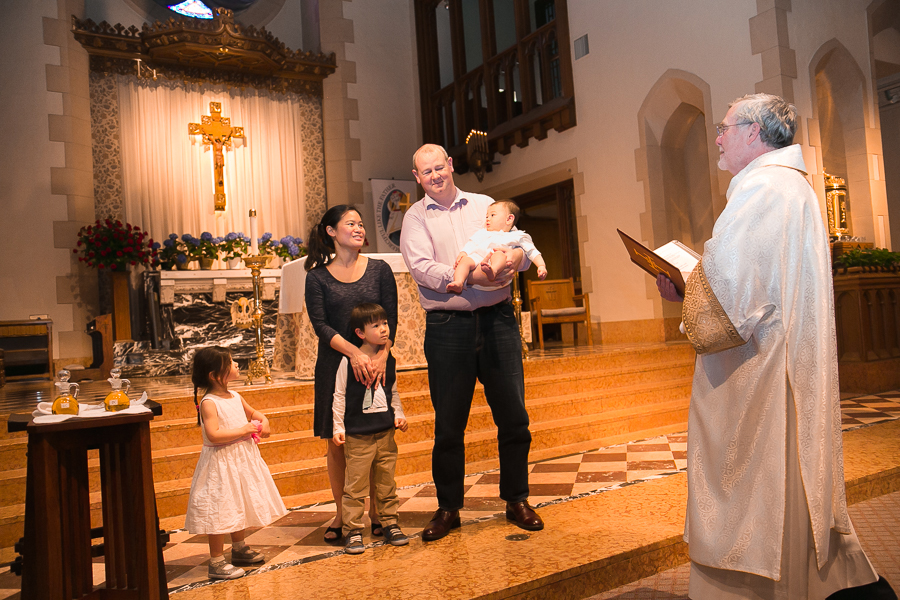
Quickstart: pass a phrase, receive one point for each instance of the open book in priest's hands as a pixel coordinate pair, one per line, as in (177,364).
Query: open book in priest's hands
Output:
(674,260)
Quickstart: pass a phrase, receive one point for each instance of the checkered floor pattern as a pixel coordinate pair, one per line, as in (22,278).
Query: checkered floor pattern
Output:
(298,537)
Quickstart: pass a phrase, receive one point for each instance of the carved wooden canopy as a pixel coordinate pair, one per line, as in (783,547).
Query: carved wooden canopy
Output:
(216,51)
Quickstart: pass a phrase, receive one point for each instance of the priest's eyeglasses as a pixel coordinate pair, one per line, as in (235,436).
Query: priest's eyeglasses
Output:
(722,127)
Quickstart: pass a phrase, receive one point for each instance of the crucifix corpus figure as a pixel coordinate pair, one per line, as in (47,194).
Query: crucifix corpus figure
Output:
(217,132)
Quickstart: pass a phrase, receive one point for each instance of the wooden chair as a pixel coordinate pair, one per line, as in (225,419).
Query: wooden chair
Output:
(553,301)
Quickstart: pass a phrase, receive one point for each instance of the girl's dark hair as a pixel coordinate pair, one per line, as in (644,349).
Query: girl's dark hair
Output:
(213,360)
(366,313)
(320,245)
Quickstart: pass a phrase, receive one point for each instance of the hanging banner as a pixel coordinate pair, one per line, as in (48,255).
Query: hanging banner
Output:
(391,198)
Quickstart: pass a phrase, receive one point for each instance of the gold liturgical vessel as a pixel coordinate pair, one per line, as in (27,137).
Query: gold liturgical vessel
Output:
(837,206)
(117,399)
(65,403)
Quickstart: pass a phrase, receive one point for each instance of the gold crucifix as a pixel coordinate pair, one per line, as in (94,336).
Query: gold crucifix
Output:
(217,132)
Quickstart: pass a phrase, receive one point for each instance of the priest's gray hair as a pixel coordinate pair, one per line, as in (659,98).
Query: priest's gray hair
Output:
(777,118)
(428,149)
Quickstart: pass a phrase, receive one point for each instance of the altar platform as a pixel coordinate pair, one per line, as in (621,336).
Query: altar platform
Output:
(584,403)
(627,501)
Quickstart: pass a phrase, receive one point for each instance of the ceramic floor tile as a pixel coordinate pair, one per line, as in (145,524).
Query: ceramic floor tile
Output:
(575,458)
(550,478)
(195,575)
(588,466)
(601,477)
(638,475)
(278,536)
(480,490)
(618,455)
(428,504)
(567,467)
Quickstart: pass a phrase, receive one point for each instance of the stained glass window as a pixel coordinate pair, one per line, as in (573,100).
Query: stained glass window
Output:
(192,8)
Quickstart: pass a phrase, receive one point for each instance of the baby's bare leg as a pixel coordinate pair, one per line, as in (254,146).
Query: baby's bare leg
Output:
(465,266)
(494,264)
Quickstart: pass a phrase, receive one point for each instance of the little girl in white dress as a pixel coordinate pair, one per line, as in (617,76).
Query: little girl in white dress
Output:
(232,488)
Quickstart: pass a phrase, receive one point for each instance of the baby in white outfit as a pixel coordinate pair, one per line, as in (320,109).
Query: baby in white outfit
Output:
(486,246)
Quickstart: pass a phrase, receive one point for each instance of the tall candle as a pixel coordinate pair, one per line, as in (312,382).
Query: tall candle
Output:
(254,244)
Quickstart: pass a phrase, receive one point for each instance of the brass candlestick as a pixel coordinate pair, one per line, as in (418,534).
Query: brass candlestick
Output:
(517,307)
(259,367)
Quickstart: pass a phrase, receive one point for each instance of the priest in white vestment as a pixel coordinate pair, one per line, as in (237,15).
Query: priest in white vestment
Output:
(766,514)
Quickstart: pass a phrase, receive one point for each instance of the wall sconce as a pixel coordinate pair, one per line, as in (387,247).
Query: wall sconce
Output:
(143,71)
(892,95)
(478,153)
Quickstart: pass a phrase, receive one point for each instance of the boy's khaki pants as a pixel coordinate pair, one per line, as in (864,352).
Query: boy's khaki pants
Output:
(365,453)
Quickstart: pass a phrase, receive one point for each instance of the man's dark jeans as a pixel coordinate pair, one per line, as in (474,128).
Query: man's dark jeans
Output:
(459,347)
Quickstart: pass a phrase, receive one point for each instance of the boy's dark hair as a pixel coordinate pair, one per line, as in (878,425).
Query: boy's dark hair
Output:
(212,359)
(513,209)
(366,314)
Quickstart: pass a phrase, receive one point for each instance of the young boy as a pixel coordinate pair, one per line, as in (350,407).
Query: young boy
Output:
(501,217)
(364,422)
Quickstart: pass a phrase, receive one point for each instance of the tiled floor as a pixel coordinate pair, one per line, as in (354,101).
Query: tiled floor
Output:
(876,521)
(297,537)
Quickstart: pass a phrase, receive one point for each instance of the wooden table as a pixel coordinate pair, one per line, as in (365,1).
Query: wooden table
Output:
(57,543)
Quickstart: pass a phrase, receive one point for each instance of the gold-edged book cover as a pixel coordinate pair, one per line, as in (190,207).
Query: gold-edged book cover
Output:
(651,262)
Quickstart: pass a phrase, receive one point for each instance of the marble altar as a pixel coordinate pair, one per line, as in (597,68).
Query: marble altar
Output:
(195,311)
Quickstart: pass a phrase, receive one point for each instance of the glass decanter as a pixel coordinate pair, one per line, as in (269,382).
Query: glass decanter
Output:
(117,398)
(65,403)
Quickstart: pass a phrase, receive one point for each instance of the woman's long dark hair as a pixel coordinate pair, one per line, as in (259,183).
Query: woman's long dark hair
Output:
(320,245)
(213,360)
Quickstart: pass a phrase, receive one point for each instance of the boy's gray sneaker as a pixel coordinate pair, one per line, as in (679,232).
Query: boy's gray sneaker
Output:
(246,556)
(395,537)
(225,571)
(354,543)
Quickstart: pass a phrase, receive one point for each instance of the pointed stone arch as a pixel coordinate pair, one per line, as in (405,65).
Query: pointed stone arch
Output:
(677,164)
(844,133)
(677,161)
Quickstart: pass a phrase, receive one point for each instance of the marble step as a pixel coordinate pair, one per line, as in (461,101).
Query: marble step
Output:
(179,462)
(299,477)
(295,411)
(170,432)
(415,383)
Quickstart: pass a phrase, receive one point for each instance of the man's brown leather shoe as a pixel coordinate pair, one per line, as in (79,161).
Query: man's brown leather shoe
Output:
(441,524)
(523,515)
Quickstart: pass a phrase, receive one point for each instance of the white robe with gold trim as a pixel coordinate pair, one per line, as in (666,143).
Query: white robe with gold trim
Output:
(759,309)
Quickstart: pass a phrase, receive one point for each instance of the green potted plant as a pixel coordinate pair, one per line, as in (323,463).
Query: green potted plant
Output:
(191,247)
(209,250)
(289,248)
(173,254)
(233,246)
(868,260)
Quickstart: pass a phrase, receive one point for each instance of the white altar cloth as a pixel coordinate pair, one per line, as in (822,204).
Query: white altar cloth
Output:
(296,342)
(293,280)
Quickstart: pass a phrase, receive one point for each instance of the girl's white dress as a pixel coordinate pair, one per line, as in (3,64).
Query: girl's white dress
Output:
(232,488)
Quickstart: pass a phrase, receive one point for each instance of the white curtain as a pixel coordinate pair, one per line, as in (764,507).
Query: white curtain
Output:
(167,175)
